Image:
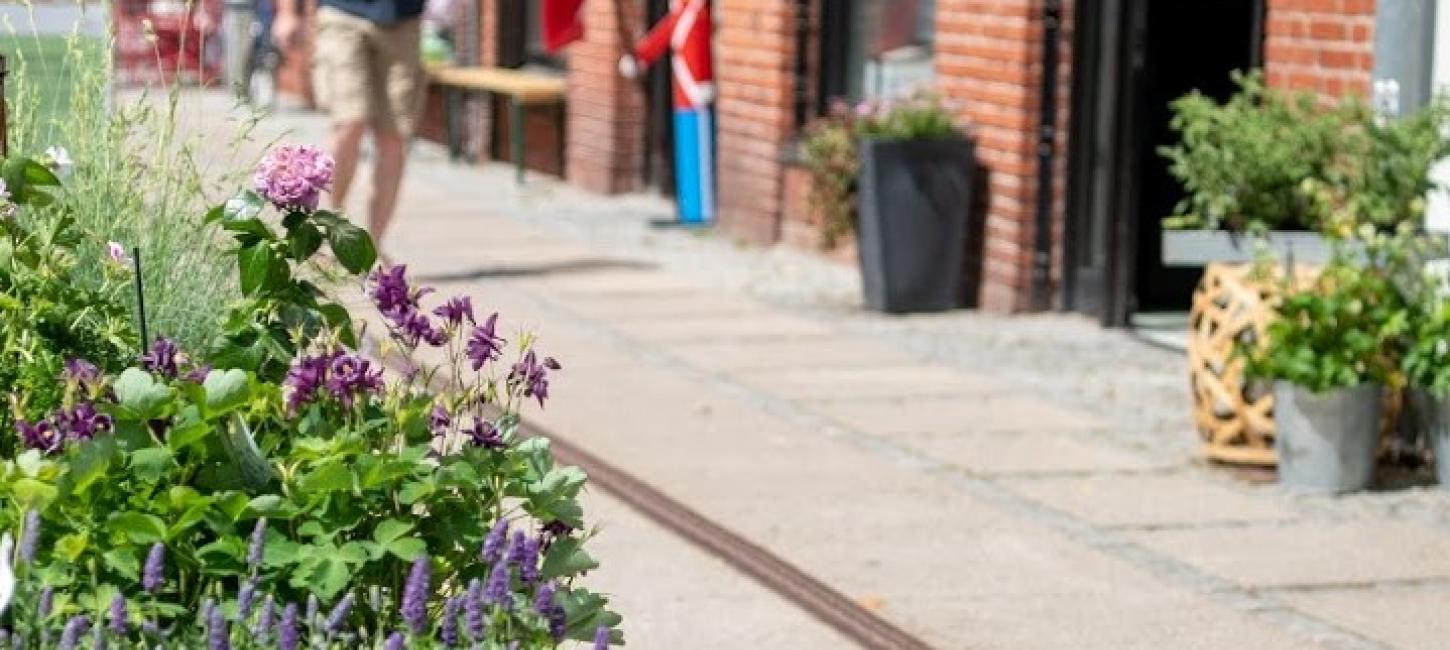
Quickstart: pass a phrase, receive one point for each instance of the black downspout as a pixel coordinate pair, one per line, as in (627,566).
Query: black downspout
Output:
(1046,148)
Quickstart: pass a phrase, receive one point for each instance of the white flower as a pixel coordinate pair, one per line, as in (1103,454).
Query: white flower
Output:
(117,253)
(7,573)
(59,160)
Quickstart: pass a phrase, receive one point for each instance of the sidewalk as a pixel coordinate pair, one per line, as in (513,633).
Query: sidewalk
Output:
(981,481)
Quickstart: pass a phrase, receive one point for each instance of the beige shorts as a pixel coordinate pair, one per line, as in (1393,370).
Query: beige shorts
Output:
(363,71)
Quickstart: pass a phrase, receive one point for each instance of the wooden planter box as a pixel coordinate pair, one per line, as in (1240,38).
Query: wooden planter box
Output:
(1202,247)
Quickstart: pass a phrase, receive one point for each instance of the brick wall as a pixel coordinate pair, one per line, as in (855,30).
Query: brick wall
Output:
(754,55)
(1326,46)
(605,148)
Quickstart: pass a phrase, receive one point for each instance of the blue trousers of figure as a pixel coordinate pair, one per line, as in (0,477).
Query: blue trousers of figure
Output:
(695,164)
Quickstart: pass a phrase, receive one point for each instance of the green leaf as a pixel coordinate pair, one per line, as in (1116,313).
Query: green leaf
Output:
(352,246)
(138,527)
(304,240)
(407,548)
(391,529)
(183,436)
(328,578)
(140,395)
(566,558)
(72,546)
(225,391)
(89,463)
(124,562)
(151,464)
(415,491)
(332,477)
(33,494)
(261,268)
(245,205)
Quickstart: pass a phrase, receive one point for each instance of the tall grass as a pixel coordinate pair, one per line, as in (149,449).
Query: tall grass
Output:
(138,178)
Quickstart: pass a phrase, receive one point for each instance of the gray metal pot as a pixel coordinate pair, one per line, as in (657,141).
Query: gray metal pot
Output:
(1431,417)
(1326,442)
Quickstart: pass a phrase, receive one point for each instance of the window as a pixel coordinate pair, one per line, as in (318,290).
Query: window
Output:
(888,50)
(521,39)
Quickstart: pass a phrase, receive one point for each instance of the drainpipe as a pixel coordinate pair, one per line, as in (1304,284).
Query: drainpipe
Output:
(1046,141)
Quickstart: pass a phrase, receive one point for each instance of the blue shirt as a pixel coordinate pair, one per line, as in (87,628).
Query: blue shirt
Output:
(382,12)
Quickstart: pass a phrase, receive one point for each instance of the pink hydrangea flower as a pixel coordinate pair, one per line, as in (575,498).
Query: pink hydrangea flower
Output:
(293,176)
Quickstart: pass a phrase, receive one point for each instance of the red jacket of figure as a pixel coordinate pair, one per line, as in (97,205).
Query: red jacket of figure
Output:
(686,30)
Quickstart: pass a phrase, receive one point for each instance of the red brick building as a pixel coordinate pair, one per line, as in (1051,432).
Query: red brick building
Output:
(1092,183)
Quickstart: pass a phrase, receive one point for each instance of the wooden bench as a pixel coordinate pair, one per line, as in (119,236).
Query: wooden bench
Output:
(522,89)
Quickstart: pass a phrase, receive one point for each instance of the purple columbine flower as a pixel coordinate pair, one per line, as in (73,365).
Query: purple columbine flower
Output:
(266,618)
(533,375)
(246,597)
(218,637)
(493,544)
(395,641)
(305,379)
(448,630)
(601,638)
(41,435)
(198,374)
(497,590)
(29,537)
(439,419)
(338,617)
(455,311)
(484,344)
(484,434)
(81,373)
(153,574)
(473,610)
(390,291)
(415,595)
(71,635)
(162,358)
(414,328)
(81,422)
(257,545)
(351,376)
(287,632)
(118,615)
(293,176)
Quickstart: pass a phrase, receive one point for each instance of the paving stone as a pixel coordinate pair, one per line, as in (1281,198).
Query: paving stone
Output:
(827,351)
(1310,553)
(752,326)
(629,306)
(1153,500)
(884,382)
(1410,618)
(617,282)
(976,413)
(1032,452)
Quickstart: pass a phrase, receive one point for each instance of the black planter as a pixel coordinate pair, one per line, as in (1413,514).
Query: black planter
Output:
(913,203)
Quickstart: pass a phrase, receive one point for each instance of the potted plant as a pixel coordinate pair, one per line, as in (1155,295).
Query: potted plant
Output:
(1329,355)
(908,168)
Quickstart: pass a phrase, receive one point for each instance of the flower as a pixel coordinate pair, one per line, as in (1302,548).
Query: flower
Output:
(293,177)
(81,422)
(533,375)
(493,543)
(266,616)
(304,379)
(395,642)
(256,546)
(350,376)
(118,614)
(40,435)
(287,636)
(439,420)
(246,596)
(339,613)
(116,255)
(30,536)
(473,609)
(47,601)
(153,574)
(545,606)
(80,372)
(497,591)
(412,327)
(529,561)
(484,344)
(218,637)
(71,635)
(198,373)
(455,310)
(449,625)
(601,638)
(485,434)
(163,358)
(415,596)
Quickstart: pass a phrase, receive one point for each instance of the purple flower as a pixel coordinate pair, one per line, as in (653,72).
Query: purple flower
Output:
(116,255)
(246,596)
(47,601)
(533,375)
(439,420)
(304,379)
(412,327)
(218,637)
(81,422)
(601,638)
(415,595)
(528,561)
(293,176)
(312,606)
(153,574)
(455,311)
(81,373)
(485,434)
(497,591)
(484,344)
(71,635)
(287,634)
(162,358)
(257,545)
(522,551)
(545,606)
(42,435)
(118,614)
(390,291)
(473,609)
(395,642)
(493,543)
(339,613)
(266,616)
(351,376)
(29,537)
(449,625)
(198,374)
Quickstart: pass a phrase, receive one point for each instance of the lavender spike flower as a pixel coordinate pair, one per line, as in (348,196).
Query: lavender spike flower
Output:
(415,595)
(71,635)
(47,601)
(528,561)
(493,543)
(208,607)
(30,537)
(395,641)
(473,610)
(258,544)
(153,574)
(218,637)
(497,591)
(601,638)
(118,615)
(339,614)
(545,606)
(246,596)
(449,630)
(266,618)
(287,632)
(312,608)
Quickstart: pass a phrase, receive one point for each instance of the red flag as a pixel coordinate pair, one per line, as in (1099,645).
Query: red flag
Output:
(563,22)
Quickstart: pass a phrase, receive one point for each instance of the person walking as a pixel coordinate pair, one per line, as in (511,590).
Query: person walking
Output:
(368,75)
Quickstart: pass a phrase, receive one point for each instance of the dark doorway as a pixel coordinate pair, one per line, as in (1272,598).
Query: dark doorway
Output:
(659,130)
(1136,56)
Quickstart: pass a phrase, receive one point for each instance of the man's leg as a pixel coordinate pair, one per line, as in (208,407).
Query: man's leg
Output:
(346,142)
(387,176)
